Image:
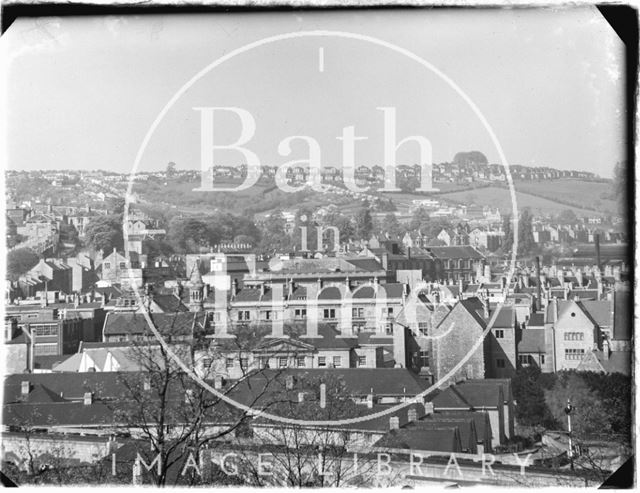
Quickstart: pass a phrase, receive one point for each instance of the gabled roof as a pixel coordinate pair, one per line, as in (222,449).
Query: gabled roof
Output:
(450,398)
(618,362)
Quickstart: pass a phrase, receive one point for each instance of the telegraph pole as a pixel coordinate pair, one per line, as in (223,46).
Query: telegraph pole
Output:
(568,411)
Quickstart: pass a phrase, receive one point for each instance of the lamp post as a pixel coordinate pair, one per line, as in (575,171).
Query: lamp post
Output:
(568,411)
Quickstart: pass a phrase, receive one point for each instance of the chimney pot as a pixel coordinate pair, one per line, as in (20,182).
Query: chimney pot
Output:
(370,401)
(289,382)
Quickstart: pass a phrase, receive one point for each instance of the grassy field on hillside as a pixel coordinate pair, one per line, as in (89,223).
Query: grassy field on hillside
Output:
(578,193)
(498,197)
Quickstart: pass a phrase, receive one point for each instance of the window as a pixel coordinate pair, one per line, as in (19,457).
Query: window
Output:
(388,329)
(322,361)
(123,265)
(282,362)
(265,315)
(329,313)
(500,363)
(301,361)
(107,265)
(499,334)
(337,361)
(229,363)
(574,336)
(45,330)
(217,316)
(45,349)
(244,362)
(542,359)
(424,358)
(573,354)
(244,315)
(300,313)
(357,312)
(423,328)
(524,359)
(206,363)
(362,361)
(263,361)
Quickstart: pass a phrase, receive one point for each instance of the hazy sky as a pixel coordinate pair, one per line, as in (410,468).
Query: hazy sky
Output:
(83,92)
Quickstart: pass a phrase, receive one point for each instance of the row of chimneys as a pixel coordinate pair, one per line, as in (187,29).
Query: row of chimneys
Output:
(25,388)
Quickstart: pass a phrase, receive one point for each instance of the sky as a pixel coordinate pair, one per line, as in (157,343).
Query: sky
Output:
(82,93)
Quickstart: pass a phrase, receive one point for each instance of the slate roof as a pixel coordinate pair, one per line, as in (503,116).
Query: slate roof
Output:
(365,264)
(622,322)
(536,320)
(505,383)
(532,341)
(480,418)
(455,252)
(247,295)
(475,307)
(357,382)
(47,362)
(618,362)
(470,395)
(481,395)
(439,440)
(175,324)
(330,293)
(505,317)
(466,428)
(366,292)
(450,398)
(169,303)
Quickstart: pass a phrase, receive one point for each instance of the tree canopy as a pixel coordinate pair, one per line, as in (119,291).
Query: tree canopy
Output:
(20,261)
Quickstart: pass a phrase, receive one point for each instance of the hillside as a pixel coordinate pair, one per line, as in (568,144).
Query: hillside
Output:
(546,197)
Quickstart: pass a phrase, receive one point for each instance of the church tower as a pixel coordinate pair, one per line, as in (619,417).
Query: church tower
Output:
(196,289)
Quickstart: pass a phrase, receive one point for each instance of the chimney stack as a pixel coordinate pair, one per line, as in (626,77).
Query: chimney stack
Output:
(428,408)
(25,387)
(596,240)
(412,414)
(605,349)
(370,401)
(88,398)
(217,382)
(394,423)
(234,287)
